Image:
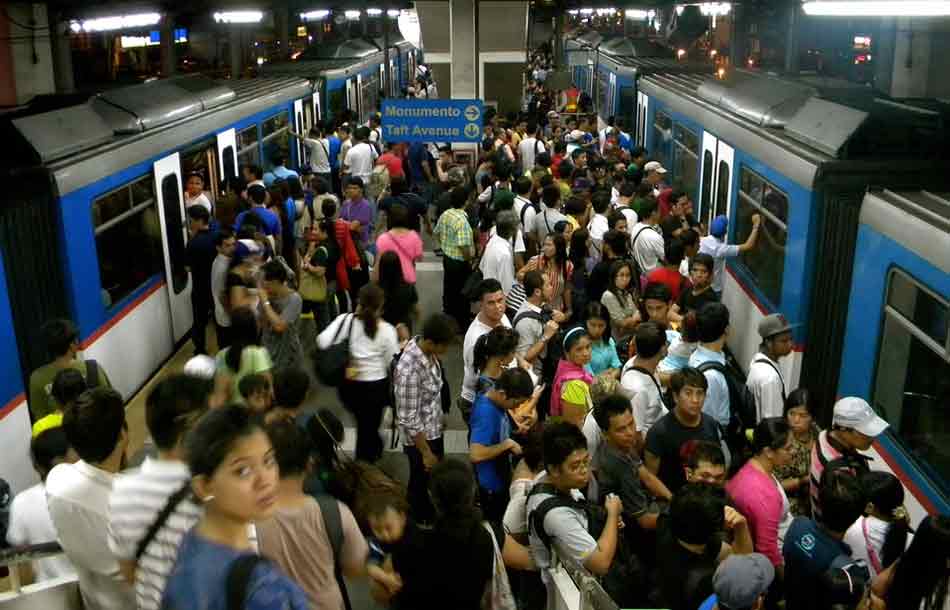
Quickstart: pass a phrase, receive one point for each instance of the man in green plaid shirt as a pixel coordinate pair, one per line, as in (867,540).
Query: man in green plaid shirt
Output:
(458,248)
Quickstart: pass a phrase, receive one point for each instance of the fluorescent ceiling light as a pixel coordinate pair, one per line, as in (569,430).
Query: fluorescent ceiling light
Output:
(586,11)
(351,15)
(633,13)
(713,9)
(314,15)
(878,8)
(374,12)
(117,22)
(393,12)
(572,12)
(133,42)
(239,17)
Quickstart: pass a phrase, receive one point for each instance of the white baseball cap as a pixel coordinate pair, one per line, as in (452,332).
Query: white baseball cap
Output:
(201,366)
(855,413)
(654,166)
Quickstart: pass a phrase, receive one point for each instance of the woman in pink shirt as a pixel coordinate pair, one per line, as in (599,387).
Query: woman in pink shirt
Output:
(402,240)
(758,495)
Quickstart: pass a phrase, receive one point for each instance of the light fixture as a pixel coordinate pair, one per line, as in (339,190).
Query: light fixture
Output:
(133,42)
(586,11)
(713,53)
(260,61)
(117,22)
(239,17)
(351,15)
(314,15)
(721,73)
(679,9)
(751,62)
(715,9)
(680,53)
(633,13)
(393,13)
(374,12)
(878,8)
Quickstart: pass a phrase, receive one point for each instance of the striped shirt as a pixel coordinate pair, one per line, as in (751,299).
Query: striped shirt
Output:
(454,233)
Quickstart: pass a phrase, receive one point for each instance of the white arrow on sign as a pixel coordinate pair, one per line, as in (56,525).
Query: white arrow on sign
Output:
(472,113)
(472,130)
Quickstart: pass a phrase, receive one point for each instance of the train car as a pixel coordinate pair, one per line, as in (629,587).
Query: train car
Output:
(580,57)
(897,341)
(800,155)
(94,229)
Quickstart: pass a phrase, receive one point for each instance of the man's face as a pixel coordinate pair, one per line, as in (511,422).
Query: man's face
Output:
(195,185)
(580,161)
(227,247)
(781,345)
(657,310)
(679,206)
(493,306)
(690,400)
(574,472)
(248,176)
(654,178)
(622,433)
(710,474)
(354,192)
(699,275)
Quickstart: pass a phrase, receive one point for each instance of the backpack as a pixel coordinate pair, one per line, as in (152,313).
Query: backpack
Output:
(378,182)
(554,351)
(741,406)
(666,398)
(596,515)
(524,208)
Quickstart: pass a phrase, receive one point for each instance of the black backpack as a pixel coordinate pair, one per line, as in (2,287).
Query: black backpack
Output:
(554,349)
(596,514)
(741,406)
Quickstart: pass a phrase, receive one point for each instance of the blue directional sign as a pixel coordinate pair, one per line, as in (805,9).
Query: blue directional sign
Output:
(432,120)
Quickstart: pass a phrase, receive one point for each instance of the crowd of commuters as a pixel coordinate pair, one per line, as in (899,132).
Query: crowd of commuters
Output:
(606,424)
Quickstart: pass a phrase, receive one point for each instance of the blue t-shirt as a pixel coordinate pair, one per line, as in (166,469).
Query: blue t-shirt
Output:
(418,156)
(335,145)
(290,208)
(809,551)
(278,173)
(490,426)
(270,220)
(603,356)
(199,580)
(710,602)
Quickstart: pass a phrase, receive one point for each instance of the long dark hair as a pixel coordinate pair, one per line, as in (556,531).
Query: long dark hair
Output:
(578,254)
(598,310)
(371,300)
(390,273)
(886,493)
(560,252)
(243,334)
(615,268)
(921,574)
(452,488)
(497,342)
(771,433)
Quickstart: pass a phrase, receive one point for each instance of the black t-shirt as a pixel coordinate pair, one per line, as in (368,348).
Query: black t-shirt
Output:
(440,570)
(667,436)
(199,256)
(414,204)
(685,577)
(672,223)
(397,307)
(693,302)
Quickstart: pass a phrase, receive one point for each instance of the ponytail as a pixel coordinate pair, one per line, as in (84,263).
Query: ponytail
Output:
(895,541)
(886,493)
(370,302)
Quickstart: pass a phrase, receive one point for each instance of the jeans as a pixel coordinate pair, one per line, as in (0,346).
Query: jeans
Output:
(366,400)
(454,303)
(420,504)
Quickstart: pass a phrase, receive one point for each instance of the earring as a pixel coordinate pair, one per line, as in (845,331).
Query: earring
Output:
(207,499)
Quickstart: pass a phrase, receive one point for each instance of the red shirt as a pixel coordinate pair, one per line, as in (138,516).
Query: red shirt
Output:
(672,278)
(392,163)
(556,163)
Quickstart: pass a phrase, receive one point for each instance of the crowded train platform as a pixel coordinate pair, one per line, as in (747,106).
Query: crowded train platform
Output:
(656,337)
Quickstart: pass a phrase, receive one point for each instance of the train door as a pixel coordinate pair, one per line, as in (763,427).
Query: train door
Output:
(299,128)
(383,83)
(315,102)
(394,76)
(227,154)
(350,94)
(171,214)
(359,98)
(643,106)
(716,178)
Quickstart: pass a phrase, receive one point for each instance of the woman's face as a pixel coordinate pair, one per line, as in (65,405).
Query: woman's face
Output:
(799,419)
(580,351)
(783,456)
(244,487)
(622,279)
(548,247)
(596,328)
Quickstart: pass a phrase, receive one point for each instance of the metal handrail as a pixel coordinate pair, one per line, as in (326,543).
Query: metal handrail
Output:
(14,556)
(592,594)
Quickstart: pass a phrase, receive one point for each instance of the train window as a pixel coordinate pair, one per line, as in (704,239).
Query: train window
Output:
(722,189)
(706,196)
(662,137)
(766,261)
(337,101)
(910,392)
(603,94)
(685,159)
(248,153)
(275,138)
(126,220)
(228,154)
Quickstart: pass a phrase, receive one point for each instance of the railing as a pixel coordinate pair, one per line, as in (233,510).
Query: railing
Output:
(574,588)
(57,594)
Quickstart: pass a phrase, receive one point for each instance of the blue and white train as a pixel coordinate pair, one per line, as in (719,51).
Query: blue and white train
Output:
(92,226)
(802,155)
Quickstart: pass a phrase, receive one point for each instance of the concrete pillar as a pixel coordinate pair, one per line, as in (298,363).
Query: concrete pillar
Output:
(558,38)
(62,58)
(237,53)
(169,57)
(463,47)
(791,39)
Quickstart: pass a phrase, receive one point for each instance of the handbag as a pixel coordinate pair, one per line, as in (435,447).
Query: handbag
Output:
(313,287)
(331,363)
(498,595)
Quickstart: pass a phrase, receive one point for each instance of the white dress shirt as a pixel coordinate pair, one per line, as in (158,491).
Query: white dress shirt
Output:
(498,262)
(767,387)
(646,242)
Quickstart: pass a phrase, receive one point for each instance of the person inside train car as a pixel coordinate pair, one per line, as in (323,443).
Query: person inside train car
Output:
(278,171)
(854,426)
(195,192)
(639,383)
(715,246)
(62,342)
(765,380)
(811,547)
(646,239)
(691,543)
(140,532)
(685,422)
(30,521)
(200,254)
(234,475)
(78,496)
(318,151)
(361,156)
(253,174)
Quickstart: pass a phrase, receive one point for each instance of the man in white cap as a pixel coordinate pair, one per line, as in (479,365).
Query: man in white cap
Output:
(653,174)
(854,426)
(740,583)
(765,380)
